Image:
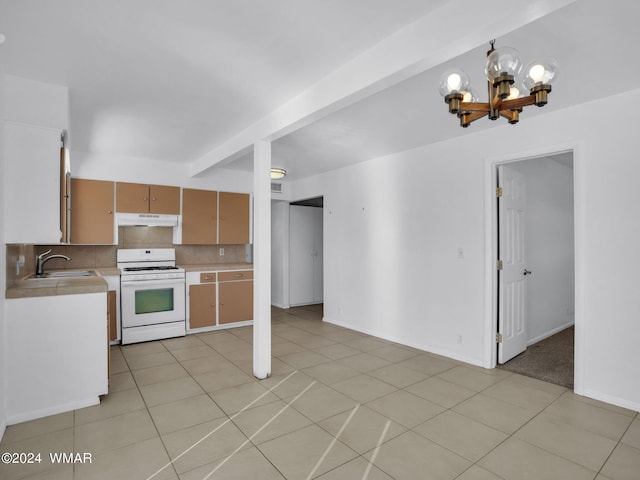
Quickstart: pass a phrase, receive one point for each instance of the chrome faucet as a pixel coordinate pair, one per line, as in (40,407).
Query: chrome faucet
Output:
(40,261)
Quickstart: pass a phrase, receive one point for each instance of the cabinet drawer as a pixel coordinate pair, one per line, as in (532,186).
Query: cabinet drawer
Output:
(236,275)
(207,277)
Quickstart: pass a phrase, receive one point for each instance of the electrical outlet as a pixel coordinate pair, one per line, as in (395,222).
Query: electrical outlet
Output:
(19,264)
(221,252)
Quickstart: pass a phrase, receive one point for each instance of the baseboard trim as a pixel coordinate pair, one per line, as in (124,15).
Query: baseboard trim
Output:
(618,402)
(54,410)
(549,333)
(3,428)
(425,348)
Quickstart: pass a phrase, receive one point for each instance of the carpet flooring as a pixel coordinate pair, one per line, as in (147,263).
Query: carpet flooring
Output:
(550,360)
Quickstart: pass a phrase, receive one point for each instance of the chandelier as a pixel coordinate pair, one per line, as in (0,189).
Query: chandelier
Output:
(509,91)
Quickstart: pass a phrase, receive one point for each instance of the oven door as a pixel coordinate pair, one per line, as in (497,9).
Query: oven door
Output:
(150,302)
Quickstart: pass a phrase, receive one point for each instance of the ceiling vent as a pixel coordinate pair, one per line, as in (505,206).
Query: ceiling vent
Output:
(276,187)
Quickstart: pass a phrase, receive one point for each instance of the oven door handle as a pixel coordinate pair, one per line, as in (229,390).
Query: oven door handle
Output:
(144,283)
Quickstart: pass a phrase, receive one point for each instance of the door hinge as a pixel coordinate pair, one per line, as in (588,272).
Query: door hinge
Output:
(499,265)
(499,337)
(499,192)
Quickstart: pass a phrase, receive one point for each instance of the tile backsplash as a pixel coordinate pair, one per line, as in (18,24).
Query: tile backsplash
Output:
(13,253)
(103,256)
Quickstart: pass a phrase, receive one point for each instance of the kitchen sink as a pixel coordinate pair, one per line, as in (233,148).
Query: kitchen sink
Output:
(66,274)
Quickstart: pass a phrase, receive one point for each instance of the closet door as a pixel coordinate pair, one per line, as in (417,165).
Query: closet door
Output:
(318,293)
(305,255)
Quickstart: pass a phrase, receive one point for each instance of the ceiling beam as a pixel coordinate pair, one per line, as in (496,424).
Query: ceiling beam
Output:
(449,31)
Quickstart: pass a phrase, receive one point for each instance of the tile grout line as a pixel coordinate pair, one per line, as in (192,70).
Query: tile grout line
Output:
(250,439)
(375,453)
(512,435)
(333,442)
(149,411)
(617,444)
(229,419)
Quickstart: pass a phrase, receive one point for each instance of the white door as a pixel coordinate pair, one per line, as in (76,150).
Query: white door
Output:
(512,289)
(318,278)
(304,255)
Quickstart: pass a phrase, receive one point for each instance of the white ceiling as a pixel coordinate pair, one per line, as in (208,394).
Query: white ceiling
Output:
(171,80)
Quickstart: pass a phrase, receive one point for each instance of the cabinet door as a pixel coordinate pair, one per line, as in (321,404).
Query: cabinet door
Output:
(202,305)
(91,211)
(234,218)
(132,197)
(32,185)
(199,217)
(236,301)
(112,314)
(164,199)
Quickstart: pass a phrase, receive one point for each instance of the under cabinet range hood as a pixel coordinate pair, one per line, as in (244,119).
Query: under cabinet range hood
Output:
(147,220)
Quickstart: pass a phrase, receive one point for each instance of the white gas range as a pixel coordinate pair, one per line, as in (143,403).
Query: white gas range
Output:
(152,294)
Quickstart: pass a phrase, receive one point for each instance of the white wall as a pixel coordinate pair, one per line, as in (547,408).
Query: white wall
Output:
(549,248)
(280,253)
(34,103)
(140,170)
(3,277)
(393,226)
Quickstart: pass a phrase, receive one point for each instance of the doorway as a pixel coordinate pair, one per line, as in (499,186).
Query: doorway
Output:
(535,292)
(306,252)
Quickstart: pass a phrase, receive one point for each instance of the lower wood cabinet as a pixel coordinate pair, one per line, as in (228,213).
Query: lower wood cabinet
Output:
(235,296)
(112,324)
(202,305)
(218,299)
(112,307)
(236,301)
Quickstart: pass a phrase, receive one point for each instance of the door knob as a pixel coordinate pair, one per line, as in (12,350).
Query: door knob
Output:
(527,272)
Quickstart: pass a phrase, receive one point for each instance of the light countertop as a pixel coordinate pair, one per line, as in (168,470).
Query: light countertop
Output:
(46,287)
(217,267)
(42,287)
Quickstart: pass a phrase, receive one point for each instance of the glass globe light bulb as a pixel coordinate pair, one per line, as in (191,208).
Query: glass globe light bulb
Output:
(502,60)
(540,72)
(469,95)
(453,81)
(517,90)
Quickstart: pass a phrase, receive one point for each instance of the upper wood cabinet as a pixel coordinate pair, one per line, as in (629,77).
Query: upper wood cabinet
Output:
(91,211)
(141,198)
(234,218)
(199,217)
(210,218)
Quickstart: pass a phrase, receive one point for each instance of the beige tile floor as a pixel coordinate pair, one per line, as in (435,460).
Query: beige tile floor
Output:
(339,405)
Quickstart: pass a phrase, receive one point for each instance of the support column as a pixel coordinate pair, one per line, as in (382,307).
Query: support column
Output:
(262,259)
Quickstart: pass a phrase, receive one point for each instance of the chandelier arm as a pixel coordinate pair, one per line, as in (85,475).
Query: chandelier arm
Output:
(474,107)
(509,114)
(472,117)
(518,103)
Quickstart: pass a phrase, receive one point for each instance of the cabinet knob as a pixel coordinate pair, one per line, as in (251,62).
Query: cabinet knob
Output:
(239,275)
(221,303)
(213,305)
(109,212)
(208,278)
(145,199)
(154,199)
